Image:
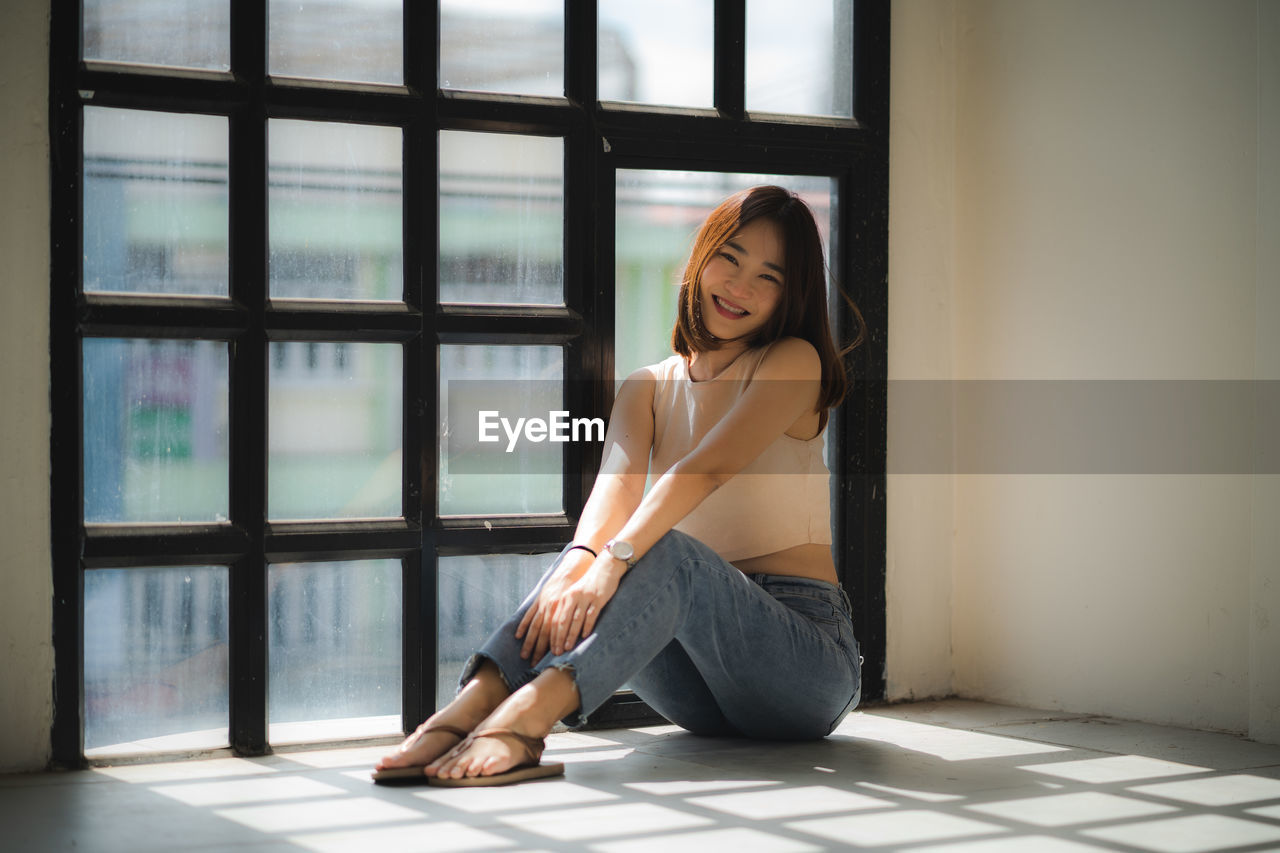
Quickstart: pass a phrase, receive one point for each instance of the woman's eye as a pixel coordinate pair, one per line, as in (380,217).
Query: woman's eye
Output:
(730,258)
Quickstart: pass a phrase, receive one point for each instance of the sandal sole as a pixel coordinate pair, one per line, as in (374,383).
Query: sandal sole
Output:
(519,774)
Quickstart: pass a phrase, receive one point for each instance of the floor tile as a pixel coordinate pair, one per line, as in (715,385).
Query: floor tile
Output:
(773,804)
(1212,749)
(968,714)
(404,838)
(1216,791)
(1021,844)
(598,822)
(1193,834)
(739,840)
(894,828)
(1114,768)
(1070,809)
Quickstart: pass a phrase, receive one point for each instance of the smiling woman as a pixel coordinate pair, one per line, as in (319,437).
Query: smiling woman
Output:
(688,587)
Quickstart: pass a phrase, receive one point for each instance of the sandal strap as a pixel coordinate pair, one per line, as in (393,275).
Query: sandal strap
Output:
(533,746)
(445,727)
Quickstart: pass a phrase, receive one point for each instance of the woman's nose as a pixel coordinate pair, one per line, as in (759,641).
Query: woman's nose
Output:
(737,284)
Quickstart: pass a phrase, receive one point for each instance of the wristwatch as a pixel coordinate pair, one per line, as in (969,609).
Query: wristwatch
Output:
(624,551)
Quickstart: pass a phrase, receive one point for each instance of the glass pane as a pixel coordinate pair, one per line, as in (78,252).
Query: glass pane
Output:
(155,659)
(155,430)
(335,430)
(512,382)
(502,46)
(335,211)
(358,40)
(155,202)
(501,218)
(658,215)
(193,33)
(334,651)
(477,594)
(646,56)
(800,57)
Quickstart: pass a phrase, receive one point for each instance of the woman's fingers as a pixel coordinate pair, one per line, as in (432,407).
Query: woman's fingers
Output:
(578,627)
(535,629)
(589,619)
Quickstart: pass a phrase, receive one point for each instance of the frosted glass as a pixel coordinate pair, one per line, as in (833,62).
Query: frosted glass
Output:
(335,430)
(659,52)
(155,430)
(476,594)
(155,659)
(502,46)
(193,33)
(800,57)
(358,40)
(155,202)
(531,380)
(501,218)
(335,210)
(334,649)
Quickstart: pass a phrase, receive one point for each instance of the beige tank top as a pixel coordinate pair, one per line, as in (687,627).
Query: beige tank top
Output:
(778,501)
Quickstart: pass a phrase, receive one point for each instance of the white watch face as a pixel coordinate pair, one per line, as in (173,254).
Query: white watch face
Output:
(622,550)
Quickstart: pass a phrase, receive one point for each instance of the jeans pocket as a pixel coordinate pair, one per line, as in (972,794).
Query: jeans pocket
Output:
(814,607)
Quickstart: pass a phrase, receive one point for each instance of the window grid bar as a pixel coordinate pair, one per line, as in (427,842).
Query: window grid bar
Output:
(730,58)
(247,445)
(66,457)
(639,138)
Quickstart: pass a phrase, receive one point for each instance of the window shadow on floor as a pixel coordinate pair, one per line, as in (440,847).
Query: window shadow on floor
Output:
(930,777)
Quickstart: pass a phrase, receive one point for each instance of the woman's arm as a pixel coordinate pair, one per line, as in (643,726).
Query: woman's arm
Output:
(617,491)
(784,389)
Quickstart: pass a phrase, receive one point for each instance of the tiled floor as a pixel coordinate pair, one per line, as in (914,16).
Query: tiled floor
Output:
(953,776)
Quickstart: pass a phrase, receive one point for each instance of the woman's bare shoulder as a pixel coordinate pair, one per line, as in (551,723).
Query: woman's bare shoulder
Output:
(790,358)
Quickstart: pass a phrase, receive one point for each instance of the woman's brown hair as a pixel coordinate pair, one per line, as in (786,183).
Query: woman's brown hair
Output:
(802,310)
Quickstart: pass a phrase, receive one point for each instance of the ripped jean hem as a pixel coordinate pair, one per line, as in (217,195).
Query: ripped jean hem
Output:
(473,664)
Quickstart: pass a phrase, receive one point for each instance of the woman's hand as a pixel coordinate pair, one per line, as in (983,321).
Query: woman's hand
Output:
(568,606)
(580,606)
(535,627)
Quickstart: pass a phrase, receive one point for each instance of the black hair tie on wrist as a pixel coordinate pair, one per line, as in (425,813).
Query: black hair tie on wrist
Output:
(583,548)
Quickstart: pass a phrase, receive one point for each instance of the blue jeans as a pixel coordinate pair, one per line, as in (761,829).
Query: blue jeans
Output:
(713,650)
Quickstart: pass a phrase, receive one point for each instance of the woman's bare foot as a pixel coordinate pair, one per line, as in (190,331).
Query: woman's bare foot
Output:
(532,711)
(478,699)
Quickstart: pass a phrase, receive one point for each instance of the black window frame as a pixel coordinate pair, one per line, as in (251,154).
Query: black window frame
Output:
(853,152)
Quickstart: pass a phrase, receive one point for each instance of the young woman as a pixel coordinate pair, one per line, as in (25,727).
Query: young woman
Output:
(714,595)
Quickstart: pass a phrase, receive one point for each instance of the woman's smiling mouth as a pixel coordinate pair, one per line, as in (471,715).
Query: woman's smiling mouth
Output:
(728,309)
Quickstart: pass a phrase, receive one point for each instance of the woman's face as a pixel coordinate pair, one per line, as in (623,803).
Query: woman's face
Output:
(741,284)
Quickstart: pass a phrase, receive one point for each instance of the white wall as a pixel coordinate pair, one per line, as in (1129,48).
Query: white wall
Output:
(922,272)
(1264,620)
(1109,208)
(26,651)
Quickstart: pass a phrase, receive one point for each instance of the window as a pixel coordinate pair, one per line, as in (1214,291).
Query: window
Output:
(281,236)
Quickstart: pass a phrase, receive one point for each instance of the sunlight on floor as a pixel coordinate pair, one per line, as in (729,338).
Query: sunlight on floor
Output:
(932,778)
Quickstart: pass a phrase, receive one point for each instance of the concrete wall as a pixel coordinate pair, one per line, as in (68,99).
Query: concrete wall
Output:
(922,276)
(1264,618)
(1113,188)
(26,649)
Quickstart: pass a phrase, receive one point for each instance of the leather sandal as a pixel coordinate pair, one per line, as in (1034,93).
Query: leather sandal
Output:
(413,772)
(530,769)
